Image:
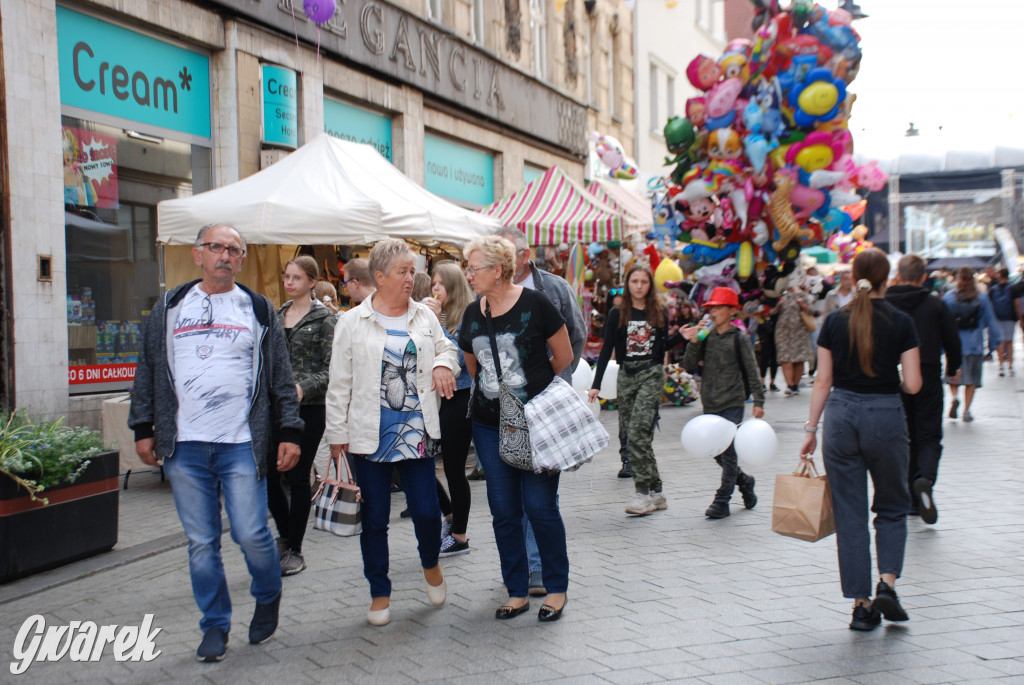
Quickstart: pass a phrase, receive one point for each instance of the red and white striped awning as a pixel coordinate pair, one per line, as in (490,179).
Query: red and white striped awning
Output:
(636,210)
(555,209)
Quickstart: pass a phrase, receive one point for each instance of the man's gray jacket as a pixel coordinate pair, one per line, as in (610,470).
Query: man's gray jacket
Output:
(154,409)
(560,293)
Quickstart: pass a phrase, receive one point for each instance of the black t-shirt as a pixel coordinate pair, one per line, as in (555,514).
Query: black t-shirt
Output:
(521,334)
(892,332)
(637,341)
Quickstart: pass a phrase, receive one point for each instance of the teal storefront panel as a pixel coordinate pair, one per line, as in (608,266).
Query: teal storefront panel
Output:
(531,174)
(115,71)
(280,106)
(458,172)
(358,125)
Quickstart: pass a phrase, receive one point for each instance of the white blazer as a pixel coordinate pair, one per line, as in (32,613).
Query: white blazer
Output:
(353,392)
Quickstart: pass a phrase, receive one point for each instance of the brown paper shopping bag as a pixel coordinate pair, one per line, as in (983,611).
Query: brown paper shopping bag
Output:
(803,504)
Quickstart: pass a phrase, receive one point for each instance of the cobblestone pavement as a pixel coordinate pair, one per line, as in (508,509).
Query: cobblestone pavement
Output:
(667,597)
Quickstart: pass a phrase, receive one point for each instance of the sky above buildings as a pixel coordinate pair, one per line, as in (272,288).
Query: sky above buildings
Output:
(954,69)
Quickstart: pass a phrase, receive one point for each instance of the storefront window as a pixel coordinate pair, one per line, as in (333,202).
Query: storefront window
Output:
(113,180)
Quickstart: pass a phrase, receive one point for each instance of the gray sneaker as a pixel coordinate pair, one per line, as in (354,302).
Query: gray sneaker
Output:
(659,501)
(282,547)
(640,505)
(292,563)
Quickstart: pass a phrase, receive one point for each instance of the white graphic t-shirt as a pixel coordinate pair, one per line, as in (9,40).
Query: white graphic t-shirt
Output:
(213,366)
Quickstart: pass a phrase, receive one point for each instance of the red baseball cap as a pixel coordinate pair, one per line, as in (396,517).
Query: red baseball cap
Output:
(723,296)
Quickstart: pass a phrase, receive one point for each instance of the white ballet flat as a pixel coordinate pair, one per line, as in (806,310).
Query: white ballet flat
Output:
(379,617)
(437,593)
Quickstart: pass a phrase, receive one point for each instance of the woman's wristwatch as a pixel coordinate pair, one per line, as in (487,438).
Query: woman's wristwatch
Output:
(809,428)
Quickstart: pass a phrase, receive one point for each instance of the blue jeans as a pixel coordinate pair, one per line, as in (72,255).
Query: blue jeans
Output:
(867,434)
(199,472)
(420,485)
(510,493)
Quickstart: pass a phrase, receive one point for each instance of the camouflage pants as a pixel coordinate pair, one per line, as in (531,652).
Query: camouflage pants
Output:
(639,396)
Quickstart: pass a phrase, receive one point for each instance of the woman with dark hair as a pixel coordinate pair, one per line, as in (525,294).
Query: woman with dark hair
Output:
(973,313)
(862,349)
(637,331)
(309,329)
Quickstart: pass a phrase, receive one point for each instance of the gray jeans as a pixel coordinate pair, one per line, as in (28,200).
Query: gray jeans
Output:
(867,434)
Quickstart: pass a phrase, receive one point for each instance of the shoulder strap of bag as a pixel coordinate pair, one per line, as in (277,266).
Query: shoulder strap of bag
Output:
(739,360)
(494,342)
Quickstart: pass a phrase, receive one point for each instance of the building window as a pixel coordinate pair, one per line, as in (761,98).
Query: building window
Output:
(670,96)
(589,59)
(477,11)
(539,29)
(434,10)
(613,104)
(653,87)
(711,17)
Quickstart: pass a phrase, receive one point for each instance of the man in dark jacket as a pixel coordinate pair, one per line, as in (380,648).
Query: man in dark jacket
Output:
(937,331)
(213,375)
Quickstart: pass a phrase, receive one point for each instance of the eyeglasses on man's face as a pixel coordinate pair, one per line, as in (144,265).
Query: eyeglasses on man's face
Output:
(471,270)
(217,248)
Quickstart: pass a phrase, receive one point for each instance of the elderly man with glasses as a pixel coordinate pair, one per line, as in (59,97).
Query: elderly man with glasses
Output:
(213,379)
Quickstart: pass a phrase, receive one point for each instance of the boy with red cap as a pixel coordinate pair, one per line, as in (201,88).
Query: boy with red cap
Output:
(730,376)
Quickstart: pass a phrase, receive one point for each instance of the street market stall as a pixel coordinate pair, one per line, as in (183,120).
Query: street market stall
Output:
(327,192)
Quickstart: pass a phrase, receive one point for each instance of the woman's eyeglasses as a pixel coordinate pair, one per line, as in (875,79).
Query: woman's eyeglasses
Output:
(471,270)
(217,248)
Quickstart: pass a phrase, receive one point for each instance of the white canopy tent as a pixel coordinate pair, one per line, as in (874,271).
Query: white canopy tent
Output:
(327,192)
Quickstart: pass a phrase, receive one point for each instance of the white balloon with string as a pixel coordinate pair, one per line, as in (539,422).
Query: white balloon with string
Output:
(707,435)
(756,442)
(610,382)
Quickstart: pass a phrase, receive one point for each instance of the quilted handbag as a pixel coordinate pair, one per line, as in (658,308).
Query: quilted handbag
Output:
(513,432)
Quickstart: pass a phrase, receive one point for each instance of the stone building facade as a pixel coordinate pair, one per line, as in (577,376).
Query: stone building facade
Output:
(109,107)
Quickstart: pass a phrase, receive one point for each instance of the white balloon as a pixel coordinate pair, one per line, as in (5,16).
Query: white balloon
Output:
(594,406)
(756,442)
(707,435)
(610,382)
(582,378)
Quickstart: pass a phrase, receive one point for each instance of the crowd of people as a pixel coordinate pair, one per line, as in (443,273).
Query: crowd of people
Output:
(238,399)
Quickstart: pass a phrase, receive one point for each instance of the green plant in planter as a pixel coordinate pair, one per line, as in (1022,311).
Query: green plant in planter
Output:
(42,454)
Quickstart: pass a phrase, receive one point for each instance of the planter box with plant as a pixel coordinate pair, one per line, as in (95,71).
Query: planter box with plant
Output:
(58,495)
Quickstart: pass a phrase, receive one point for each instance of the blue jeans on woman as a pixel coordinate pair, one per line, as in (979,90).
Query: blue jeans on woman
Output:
(199,472)
(867,434)
(510,493)
(420,486)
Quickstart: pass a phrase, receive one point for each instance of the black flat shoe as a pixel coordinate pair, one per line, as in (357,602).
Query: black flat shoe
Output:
(549,613)
(506,612)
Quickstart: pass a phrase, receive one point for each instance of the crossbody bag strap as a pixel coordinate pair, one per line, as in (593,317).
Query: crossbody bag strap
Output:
(494,341)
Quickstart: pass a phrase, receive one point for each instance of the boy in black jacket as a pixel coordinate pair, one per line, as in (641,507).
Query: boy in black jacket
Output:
(937,331)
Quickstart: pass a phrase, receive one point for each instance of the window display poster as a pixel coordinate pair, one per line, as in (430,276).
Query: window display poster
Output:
(90,168)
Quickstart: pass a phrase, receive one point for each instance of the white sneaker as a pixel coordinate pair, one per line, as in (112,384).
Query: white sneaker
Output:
(640,505)
(659,501)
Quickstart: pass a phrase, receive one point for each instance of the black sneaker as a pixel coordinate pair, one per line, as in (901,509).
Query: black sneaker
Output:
(747,490)
(214,645)
(264,621)
(924,502)
(292,563)
(865,618)
(451,547)
(954,407)
(625,471)
(717,510)
(888,604)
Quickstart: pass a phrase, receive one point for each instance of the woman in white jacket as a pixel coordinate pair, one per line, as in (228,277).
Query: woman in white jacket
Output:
(390,359)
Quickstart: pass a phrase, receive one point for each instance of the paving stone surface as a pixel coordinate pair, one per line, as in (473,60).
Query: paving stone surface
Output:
(668,597)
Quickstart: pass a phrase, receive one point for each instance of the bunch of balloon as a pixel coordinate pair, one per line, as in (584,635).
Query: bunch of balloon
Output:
(762,163)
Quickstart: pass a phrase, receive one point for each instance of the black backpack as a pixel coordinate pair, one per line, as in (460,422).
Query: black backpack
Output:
(966,314)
